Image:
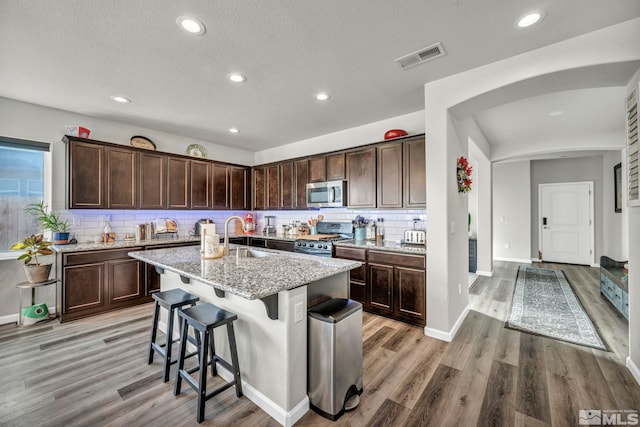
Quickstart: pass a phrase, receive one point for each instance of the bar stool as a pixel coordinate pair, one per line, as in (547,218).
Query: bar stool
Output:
(170,300)
(204,318)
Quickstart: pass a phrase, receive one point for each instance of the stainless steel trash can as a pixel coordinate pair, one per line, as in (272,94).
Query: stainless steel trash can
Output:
(334,369)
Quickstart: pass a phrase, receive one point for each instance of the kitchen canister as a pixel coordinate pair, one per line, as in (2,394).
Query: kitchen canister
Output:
(204,230)
(211,246)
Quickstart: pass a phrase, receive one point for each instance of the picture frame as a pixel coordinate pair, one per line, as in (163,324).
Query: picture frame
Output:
(617,187)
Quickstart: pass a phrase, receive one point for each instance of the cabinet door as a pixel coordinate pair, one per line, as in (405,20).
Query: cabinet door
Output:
(301,172)
(200,184)
(153,181)
(221,191)
(178,183)
(273,187)
(410,284)
(152,279)
(381,287)
(259,187)
(415,174)
(239,188)
(86,176)
(317,169)
(390,175)
(83,288)
(361,178)
(122,178)
(280,245)
(286,185)
(125,280)
(335,166)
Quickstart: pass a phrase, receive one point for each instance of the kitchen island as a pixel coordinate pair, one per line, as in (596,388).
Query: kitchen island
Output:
(270,292)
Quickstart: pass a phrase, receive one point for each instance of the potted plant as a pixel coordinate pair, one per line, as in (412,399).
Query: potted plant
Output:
(50,221)
(33,246)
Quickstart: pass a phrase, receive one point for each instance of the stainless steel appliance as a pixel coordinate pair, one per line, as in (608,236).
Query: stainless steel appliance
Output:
(269,224)
(321,243)
(327,194)
(196,228)
(414,237)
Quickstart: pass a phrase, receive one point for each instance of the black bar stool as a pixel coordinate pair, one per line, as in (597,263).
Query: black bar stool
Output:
(170,300)
(203,318)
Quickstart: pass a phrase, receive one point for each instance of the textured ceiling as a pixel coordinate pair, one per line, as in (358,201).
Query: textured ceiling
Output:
(74,55)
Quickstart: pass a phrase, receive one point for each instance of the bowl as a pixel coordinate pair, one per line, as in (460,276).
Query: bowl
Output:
(394,133)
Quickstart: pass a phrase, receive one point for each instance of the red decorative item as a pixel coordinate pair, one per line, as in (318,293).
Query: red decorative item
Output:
(249,224)
(394,133)
(463,174)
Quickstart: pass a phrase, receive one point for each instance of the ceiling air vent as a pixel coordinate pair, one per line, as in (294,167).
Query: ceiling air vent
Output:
(421,56)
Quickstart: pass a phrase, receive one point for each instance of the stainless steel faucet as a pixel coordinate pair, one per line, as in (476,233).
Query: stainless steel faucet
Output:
(226,231)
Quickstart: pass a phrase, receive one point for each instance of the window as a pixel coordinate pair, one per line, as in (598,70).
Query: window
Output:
(22,181)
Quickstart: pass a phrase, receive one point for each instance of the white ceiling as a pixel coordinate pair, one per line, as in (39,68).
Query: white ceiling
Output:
(74,54)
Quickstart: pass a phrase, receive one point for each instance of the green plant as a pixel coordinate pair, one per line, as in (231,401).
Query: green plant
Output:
(33,246)
(50,221)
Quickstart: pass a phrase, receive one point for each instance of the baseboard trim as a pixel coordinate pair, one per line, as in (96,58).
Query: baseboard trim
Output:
(447,336)
(633,368)
(519,260)
(275,411)
(484,273)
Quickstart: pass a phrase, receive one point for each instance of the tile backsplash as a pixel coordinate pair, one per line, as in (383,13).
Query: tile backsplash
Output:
(85,225)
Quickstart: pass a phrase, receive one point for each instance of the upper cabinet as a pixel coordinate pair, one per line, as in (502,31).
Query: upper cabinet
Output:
(328,167)
(361,178)
(415,173)
(259,186)
(109,176)
(402,174)
(287,185)
(301,173)
(390,175)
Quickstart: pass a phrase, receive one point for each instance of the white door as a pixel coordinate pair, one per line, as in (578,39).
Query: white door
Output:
(566,222)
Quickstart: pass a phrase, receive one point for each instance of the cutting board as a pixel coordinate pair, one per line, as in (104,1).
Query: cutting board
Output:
(320,236)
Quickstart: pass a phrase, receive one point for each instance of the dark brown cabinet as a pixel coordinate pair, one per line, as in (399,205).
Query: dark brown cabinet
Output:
(301,172)
(200,185)
(98,281)
(220,185)
(153,181)
(389,175)
(122,178)
(317,169)
(239,188)
(415,173)
(389,284)
(361,178)
(178,183)
(86,175)
(272,196)
(259,187)
(335,164)
(287,185)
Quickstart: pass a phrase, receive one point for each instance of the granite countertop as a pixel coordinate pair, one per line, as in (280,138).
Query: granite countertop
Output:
(250,278)
(91,246)
(384,246)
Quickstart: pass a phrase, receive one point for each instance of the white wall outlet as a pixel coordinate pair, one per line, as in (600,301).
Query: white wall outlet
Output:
(452,227)
(459,288)
(298,316)
(507,246)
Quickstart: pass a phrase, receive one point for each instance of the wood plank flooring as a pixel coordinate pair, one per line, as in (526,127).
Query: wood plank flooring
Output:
(93,372)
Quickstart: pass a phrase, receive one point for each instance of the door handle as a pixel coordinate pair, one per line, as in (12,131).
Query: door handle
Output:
(544,220)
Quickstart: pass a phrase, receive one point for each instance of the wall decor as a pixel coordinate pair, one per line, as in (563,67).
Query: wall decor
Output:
(633,165)
(463,173)
(142,142)
(617,187)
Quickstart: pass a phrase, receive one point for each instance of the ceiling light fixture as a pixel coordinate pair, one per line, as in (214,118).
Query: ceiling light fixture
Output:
(322,96)
(237,78)
(190,25)
(234,130)
(529,19)
(121,99)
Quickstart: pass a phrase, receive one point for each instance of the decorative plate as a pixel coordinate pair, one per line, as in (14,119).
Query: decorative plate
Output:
(142,142)
(197,150)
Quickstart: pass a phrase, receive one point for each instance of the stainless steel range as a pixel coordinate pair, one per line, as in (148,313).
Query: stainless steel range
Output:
(320,244)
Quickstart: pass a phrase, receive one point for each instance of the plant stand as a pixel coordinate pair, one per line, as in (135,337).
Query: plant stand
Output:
(26,285)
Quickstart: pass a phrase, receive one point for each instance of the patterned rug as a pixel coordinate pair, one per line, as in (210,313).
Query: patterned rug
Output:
(544,304)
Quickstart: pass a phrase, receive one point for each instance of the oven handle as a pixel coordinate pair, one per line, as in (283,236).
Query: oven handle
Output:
(333,194)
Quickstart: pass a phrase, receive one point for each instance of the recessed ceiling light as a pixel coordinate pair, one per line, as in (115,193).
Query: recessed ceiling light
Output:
(555,113)
(234,130)
(237,78)
(190,25)
(121,99)
(529,19)
(322,96)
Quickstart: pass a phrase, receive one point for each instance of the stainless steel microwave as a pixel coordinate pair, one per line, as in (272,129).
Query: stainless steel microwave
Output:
(327,194)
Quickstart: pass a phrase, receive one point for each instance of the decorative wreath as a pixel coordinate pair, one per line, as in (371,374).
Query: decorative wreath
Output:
(464,171)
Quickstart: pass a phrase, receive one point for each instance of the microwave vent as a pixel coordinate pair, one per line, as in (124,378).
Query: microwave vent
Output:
(421,56)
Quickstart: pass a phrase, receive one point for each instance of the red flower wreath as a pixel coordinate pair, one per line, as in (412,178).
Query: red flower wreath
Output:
(464,171)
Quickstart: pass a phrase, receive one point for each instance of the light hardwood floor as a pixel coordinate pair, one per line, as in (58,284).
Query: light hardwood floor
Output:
(93,372)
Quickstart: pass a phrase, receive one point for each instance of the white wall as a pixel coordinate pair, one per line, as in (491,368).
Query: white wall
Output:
(512,211)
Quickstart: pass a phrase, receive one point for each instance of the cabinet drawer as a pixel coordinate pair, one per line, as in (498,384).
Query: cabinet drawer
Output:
(89,257)
(350,253)
(357,291)
(417,261)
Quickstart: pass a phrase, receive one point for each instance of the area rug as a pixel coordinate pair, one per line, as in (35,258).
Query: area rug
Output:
(544,304)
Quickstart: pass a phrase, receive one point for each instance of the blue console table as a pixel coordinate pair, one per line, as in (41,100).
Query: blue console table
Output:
(614,284)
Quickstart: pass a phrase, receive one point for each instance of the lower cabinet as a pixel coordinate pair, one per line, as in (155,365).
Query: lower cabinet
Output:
(614,284)
(152,278)
(389,284)
(98,281)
